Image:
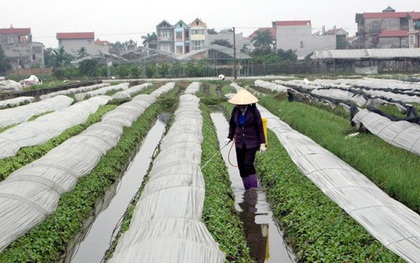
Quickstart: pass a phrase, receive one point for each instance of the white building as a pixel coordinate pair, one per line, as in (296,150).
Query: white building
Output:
(74,42)
(297,35)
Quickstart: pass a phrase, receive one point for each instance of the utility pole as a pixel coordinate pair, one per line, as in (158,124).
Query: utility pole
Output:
(234,54)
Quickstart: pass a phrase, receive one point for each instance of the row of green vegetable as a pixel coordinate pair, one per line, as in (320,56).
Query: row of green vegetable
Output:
(48,241)
(314,227)
(393,169)
(219,212)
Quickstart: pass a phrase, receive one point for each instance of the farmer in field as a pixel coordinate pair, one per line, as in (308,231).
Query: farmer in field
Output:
(246,129)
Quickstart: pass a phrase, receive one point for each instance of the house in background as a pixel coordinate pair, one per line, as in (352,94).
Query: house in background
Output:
(414,30)
(198,34)
(297,35)
(19,48)
(165,36)
(75,41)
(388,29)
(182,38)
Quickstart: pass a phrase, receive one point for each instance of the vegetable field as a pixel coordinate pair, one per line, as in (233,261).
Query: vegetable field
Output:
(340,174)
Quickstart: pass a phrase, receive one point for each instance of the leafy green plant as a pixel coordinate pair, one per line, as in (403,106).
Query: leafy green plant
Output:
(393,169)
(314,227)
(219,213)
(29,154)
(48,241)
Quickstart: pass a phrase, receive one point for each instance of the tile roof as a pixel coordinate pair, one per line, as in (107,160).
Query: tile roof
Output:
(16,31)
(76,35)
(390,15)
(394,33)
(292,23)
(271,29)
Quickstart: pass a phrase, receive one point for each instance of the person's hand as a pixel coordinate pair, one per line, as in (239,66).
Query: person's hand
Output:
(263,148)
(227,141)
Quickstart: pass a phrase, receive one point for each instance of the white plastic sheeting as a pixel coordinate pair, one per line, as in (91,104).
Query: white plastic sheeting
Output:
(270,85)
(126,94)
(166,225)
(73,90)
(374,87)
(193,88)
(392,223)
(163,89)
(47,126)
(31,193)
(101,91)
(16,101)
(23,113)
(358,54)
(328,93)
(403,134)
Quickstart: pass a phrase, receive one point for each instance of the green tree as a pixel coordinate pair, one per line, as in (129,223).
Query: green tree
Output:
(163,69)
(123,70)
(4,61)
(150,70)
(342,42)
(211,31)
(177,70)
(49,58)
(150,40)
(135,71)
(263,40)
(62,58)
(81,53)
(117,47)
(88,67)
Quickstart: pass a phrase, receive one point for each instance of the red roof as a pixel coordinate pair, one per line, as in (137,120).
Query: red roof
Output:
(394,33)
(292,23)
(15,31)
(390,15)
(271,29)
(76,35)
(102,42)
(414,15)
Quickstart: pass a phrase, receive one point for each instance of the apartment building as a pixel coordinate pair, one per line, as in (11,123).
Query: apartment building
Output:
(388,29)
(19,48)
(165,36)
(198,33)
(182,38)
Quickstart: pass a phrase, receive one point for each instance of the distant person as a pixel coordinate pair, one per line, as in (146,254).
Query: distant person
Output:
(246,128)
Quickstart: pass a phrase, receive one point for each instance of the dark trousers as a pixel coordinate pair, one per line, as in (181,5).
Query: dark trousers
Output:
(245,158)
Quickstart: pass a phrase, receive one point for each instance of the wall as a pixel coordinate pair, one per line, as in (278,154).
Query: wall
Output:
(72,46)
(25,55)
(300,38)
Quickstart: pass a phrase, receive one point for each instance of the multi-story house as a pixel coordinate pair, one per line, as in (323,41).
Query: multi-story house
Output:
(74,42)
(165,36)
(198,33)
(388,29)
(182,38)
(19,48)
(414,30)
(297,35)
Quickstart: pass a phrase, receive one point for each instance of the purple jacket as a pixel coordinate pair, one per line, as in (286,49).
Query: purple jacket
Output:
(251,133)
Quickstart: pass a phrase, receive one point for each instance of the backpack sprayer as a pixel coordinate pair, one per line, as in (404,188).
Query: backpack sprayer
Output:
(264,122)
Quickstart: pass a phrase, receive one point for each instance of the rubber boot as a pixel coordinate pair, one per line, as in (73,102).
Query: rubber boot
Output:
(250,181)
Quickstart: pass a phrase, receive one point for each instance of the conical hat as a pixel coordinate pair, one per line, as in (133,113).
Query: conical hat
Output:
(243,97)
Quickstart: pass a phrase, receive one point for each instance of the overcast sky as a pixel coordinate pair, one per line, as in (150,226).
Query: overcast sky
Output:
(122,20)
